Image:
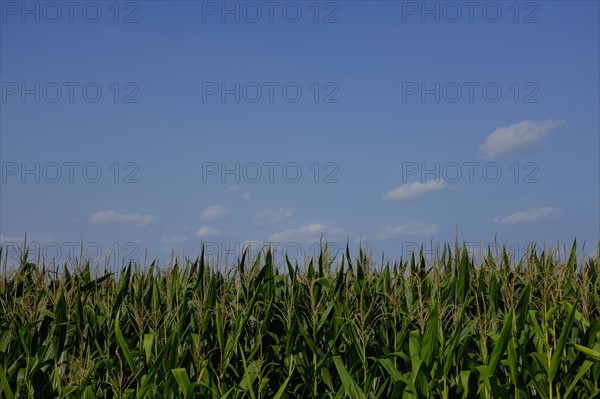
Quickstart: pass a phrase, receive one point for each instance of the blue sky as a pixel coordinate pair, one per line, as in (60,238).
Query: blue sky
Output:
(153,125)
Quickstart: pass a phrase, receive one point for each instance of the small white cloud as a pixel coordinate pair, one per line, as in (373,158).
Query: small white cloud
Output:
(214,212)
(530,216)
(520,137)
(176,239)
(207,231)
(408,229)
(309,233)
(233,189)
(123,218)
(246,195)
(414,190)
(272,216)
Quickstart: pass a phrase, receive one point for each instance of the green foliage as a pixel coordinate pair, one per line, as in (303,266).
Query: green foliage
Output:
(409,329)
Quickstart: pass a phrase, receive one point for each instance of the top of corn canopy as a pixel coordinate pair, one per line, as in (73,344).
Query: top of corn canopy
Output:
(332,326)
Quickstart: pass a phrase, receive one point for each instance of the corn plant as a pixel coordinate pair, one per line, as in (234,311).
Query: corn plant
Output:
(334,327)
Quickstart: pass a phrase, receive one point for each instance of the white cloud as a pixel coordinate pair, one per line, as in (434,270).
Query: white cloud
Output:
(407,229)
(214,212)
(233,189)
(530,216)
(272,216)
(123,218)
(207,231)
(174,239)
(246,195)
(413,190)
(309,233)
(522,136)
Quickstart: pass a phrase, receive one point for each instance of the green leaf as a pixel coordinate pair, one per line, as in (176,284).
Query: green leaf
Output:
(281,390)
(582,371)
(183,381)
(500,344)
(512,359)
(572,262)
(124,346)
(523,307)
(562,341)
(594,354)
(350,386)
(8,394)
(429,346)
(391,369)
(148,342)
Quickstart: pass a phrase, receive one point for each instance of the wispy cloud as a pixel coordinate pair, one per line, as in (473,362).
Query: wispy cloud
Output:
(520,137)
(414,190)
(207,231)
(407,229)
(530,216)
(272,216)
(135,219)
(214,212)
(309,233)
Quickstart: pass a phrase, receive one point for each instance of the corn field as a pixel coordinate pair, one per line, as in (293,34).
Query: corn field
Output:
(336,326)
